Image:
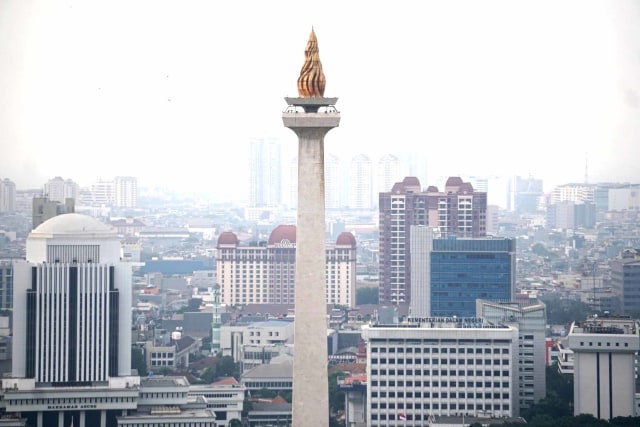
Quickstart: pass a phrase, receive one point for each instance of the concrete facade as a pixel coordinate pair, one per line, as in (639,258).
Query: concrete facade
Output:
(310,119)
(604,366)
(440,367)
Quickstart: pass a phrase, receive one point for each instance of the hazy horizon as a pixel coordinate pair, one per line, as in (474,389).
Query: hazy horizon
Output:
(175,91)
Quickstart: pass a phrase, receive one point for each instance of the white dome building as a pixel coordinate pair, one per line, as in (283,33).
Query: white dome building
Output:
(72,324)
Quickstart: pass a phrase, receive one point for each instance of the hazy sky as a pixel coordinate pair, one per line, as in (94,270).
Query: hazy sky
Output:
(173,91)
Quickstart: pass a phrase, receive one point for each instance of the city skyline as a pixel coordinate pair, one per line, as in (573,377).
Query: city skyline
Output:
(500,88)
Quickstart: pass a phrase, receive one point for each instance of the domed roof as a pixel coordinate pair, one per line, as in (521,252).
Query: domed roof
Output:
(346,239)
(228,238)
(283,232)
(72,224)
(466,187)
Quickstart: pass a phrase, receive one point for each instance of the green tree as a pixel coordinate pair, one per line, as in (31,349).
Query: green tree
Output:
(559,399)
(267,393)
(336,397)
(209,375)
(246,406)
(235,423)
(227,367)
(138,362)
(367,296)
(564,311)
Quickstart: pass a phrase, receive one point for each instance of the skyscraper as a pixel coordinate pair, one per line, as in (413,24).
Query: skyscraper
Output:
(461,270)
(388,172)
(72,326)
(457,211)
(310,116)
(7,195)
(59,190)
(265,173)
(126,191)
(361,183)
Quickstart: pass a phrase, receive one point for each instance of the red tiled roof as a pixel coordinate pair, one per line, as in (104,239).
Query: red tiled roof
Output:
(226,381)
(283,232)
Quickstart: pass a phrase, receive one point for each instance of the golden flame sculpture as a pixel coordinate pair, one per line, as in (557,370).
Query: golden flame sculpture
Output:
(311,81)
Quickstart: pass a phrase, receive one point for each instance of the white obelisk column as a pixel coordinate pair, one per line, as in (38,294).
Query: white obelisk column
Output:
(310,385)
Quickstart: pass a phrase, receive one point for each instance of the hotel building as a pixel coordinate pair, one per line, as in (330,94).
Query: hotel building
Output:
(266,274)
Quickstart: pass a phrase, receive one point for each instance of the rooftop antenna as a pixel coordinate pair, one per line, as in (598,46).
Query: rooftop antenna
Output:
(586,167)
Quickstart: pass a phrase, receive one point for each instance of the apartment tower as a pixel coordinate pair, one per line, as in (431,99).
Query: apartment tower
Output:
(459,211)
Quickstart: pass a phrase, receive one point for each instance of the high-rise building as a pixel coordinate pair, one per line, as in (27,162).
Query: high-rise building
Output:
(126,191)
(457,211)
(7,195)
(71,326)
(571,215)
(265,173)
(531,322)
(604,374)
(361,183)
(452,273)
(44,209)
(6,285)
(59,190)
(440,367)
(389,172)
(310,116)
(525,194)
(577,193)
(266,274)
(625,281)
(101,193)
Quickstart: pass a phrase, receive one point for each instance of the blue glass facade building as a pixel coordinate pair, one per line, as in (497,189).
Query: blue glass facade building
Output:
(463,270)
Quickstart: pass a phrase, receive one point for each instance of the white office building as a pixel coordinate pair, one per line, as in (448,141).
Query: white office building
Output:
(531,321)
(126,191)
(361,183)
(71,327)
(265,173)
(604,366)
(256,343)
(436,367)
(7,195)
